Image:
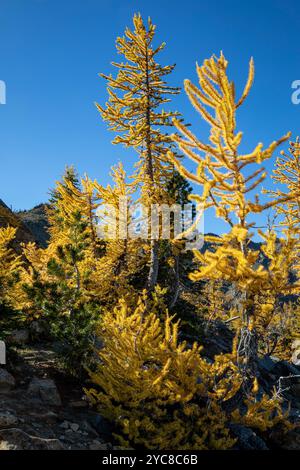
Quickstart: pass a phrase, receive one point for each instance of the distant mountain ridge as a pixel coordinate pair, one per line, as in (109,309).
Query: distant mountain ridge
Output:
(31,224)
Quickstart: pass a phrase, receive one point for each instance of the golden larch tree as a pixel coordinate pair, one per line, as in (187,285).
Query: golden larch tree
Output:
(228,186)
(135,113)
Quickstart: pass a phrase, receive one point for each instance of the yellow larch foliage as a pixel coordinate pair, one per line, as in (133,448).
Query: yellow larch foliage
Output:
(152,386)
(263,413)
(212,303)
(10,264)
(123,256)
(228,184)
(161,393)
(278,326)
(134,109)
(276,322)
(287,173)
(34,268)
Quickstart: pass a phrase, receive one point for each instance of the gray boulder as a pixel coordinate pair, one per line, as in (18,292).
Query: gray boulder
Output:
(45,390)
(7,381)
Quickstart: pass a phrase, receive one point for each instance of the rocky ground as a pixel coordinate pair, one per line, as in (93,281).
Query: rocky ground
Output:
(42,408)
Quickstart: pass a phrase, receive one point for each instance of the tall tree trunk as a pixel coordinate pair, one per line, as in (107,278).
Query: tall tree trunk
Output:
(248,342)
(247,352)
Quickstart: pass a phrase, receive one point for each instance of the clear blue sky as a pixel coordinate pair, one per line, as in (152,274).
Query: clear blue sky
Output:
(52,50)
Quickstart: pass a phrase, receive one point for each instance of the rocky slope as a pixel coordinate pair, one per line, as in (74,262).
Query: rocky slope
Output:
(41,408)
(7,217)
(31,224)
(36,220)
